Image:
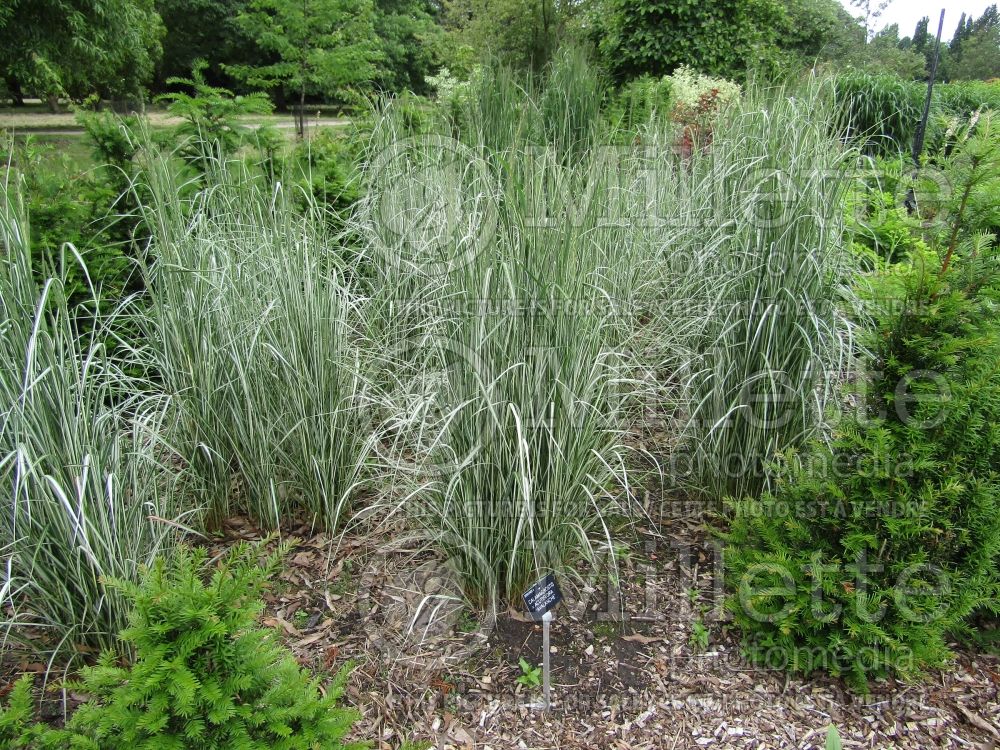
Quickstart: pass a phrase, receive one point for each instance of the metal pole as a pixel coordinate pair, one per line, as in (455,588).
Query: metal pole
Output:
(918,140)
(546,619)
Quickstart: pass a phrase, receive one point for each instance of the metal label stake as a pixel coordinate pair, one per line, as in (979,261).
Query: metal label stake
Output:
(546,685)
(540,599)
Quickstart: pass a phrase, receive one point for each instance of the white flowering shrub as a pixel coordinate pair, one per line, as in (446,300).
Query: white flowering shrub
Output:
(689,89)
(449,89)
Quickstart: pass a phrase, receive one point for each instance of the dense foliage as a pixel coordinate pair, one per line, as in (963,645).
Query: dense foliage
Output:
(77,48)
(83,504)
(974,50)
(883,110)
(875,548)
(330,50)
(716,37)
(318,47)
(203,673)
(457,313)
(71,206)
(211,117)
(412,41)
(203,30)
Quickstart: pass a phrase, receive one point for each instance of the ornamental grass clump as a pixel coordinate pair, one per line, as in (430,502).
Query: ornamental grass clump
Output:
(880,110)
(511,370)
(756,263)
(259,347)
(80,455)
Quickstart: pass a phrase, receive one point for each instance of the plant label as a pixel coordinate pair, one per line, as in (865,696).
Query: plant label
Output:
(542,596)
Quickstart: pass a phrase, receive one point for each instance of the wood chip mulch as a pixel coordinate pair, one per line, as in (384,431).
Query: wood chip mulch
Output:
(627,671)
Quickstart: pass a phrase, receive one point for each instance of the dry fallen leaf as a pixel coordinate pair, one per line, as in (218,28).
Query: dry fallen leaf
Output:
(640,638)
(274,622)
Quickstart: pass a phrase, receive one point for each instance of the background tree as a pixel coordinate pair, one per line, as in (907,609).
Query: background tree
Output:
(520,33)
(974,51)
(203,30)
(412,41)
(846,41)
(211,118)
(871,11)
(76,48)
(923,41)
(717,37)
(887,53)
(921,35)
(980,56)
(815,29)
(962,32)
(320,47)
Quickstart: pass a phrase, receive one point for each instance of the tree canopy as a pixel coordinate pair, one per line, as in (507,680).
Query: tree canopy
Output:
(411,39)
(974,51)
(714,36)
(80,47)
(304,50)
(319,47)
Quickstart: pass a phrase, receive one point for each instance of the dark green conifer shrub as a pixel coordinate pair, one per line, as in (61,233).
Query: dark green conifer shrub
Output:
(205,675)
(873,549)
(327,164)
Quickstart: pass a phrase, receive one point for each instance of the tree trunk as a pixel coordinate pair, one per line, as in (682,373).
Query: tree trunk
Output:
(16,94)
(300,120)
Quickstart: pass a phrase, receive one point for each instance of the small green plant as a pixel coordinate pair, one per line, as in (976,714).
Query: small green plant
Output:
(205,674)
(212,117)
(113,143)
(971,216)
(17,713)
(832,738)
(531,676)
(327,165)
(300,618)
(17,730)
(883,230)
(605,630)
(70,203)
(698,639)
(638,101)
(467,622)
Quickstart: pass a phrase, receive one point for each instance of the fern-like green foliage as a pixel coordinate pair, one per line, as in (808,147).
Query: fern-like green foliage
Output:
(874,548)
(205,674)
(17,730)
(212,117)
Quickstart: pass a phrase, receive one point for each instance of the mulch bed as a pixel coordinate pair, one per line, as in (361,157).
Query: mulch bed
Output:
(626,671)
